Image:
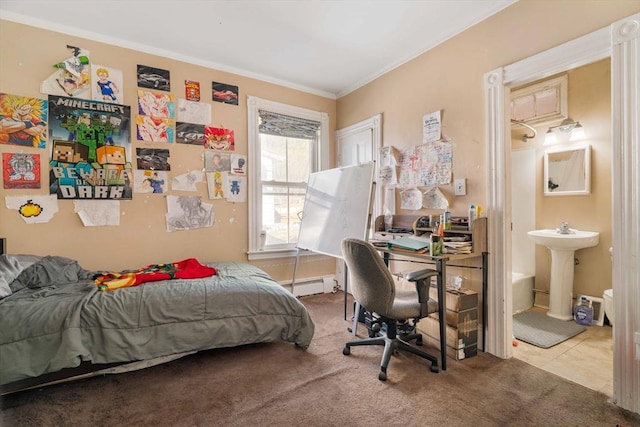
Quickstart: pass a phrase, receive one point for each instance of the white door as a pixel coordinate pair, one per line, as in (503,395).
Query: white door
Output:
(360,143)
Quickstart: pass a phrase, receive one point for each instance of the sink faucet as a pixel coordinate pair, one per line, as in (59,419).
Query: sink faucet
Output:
(564,228)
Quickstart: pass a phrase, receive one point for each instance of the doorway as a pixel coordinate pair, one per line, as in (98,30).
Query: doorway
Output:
(620,42)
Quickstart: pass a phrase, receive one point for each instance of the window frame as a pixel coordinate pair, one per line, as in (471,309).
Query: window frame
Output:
(256,252)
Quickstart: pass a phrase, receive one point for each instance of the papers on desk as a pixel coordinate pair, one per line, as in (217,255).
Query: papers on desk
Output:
(409,244)
(457,248)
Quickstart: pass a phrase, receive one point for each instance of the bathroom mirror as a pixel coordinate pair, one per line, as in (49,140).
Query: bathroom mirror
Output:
(567,171)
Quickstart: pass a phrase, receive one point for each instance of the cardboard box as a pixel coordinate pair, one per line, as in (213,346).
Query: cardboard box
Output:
(454,353)
(464,336)
(460,300)
(457,318)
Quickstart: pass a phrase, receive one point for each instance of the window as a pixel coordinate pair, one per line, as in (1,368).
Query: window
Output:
(286,144)
(541,102)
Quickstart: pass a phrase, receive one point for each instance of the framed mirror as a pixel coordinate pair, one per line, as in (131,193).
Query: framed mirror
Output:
(567,171)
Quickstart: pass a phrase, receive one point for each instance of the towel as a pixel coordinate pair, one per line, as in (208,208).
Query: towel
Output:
(186,269)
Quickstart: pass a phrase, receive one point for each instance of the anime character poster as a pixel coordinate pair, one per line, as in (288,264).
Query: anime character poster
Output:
(21,170)
(158,105)
(189,133)
(219,139)
(154,78)
(154,129)
(222,92)
(107,84)
(72,76)
(91,149)
(23,121)
(150,181)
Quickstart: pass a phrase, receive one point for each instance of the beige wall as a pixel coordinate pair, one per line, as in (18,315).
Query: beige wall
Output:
(589,102)
(450,78)
(28,54)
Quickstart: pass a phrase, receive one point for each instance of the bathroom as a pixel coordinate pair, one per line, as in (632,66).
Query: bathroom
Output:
(589,102)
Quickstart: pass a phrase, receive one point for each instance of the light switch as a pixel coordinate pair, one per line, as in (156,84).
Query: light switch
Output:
(460,186)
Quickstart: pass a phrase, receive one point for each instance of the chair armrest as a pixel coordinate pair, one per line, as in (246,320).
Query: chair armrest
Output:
(422,279)
(415,276)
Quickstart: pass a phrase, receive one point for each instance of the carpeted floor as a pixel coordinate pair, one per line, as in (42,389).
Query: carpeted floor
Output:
(276,384)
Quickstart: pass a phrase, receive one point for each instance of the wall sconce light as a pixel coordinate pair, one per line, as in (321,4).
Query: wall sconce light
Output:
(567,126)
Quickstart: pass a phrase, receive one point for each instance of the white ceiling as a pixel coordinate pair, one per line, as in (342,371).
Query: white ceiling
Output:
(325,47)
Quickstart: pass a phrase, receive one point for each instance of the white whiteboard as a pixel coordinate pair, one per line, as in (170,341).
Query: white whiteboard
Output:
(337,205)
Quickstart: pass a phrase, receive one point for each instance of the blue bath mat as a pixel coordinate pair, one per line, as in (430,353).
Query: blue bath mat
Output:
(543,331)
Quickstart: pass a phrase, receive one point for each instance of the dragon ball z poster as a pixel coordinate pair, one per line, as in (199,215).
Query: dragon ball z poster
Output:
(21,170)
(219,139)
(23,121)
(91,149)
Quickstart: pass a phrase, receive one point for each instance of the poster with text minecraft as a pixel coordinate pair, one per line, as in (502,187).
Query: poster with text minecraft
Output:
(91,149)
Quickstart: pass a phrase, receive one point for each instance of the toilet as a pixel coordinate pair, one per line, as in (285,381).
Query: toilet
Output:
(607,298)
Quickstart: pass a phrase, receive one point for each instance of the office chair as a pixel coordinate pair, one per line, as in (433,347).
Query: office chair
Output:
(373,286)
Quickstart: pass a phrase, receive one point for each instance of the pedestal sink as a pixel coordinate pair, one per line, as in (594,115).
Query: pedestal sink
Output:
(563,247)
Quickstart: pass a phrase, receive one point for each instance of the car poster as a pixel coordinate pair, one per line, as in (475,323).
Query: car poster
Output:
(154,78)
(222,92)
(91,149)
(189,133)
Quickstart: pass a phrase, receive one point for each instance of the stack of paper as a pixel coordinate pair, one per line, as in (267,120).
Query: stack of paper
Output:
(458,247)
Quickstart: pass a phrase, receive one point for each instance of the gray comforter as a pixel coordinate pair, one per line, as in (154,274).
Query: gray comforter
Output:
(51,322)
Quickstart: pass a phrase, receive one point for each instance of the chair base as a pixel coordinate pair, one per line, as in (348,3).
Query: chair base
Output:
(392,343)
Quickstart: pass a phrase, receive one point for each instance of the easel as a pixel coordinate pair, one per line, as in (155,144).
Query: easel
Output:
(324,211)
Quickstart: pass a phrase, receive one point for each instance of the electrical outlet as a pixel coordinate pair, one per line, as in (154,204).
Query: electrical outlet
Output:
(460,186)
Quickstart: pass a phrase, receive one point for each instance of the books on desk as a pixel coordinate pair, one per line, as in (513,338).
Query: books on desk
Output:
(410,244)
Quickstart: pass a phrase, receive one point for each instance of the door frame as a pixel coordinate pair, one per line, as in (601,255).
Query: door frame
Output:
(621,42)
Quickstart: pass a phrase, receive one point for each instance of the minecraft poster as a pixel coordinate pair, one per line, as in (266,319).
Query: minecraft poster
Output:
(91,149)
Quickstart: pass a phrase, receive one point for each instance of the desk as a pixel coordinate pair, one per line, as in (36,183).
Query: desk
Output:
(440,263)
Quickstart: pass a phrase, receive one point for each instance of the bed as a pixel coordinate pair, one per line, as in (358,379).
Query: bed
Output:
(56,323)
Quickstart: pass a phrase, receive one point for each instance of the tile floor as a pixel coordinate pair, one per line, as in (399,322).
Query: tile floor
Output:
(586,359)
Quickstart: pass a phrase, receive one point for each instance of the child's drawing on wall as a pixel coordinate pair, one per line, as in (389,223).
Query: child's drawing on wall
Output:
(150,181)
(108,86)
(187,213)
(216,183)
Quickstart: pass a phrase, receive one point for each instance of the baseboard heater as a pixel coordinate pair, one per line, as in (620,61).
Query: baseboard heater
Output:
(310,285)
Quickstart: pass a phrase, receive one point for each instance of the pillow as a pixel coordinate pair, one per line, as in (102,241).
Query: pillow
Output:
(50,271)
(10,267)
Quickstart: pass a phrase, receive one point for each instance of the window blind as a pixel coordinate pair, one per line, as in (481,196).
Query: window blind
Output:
(287,126)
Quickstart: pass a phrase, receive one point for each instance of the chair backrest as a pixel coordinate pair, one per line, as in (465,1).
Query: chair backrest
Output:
(370,281)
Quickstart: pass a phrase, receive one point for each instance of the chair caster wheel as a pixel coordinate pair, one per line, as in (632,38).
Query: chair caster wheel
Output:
(346,351)
(434,368)
(382,376)
(419,342)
